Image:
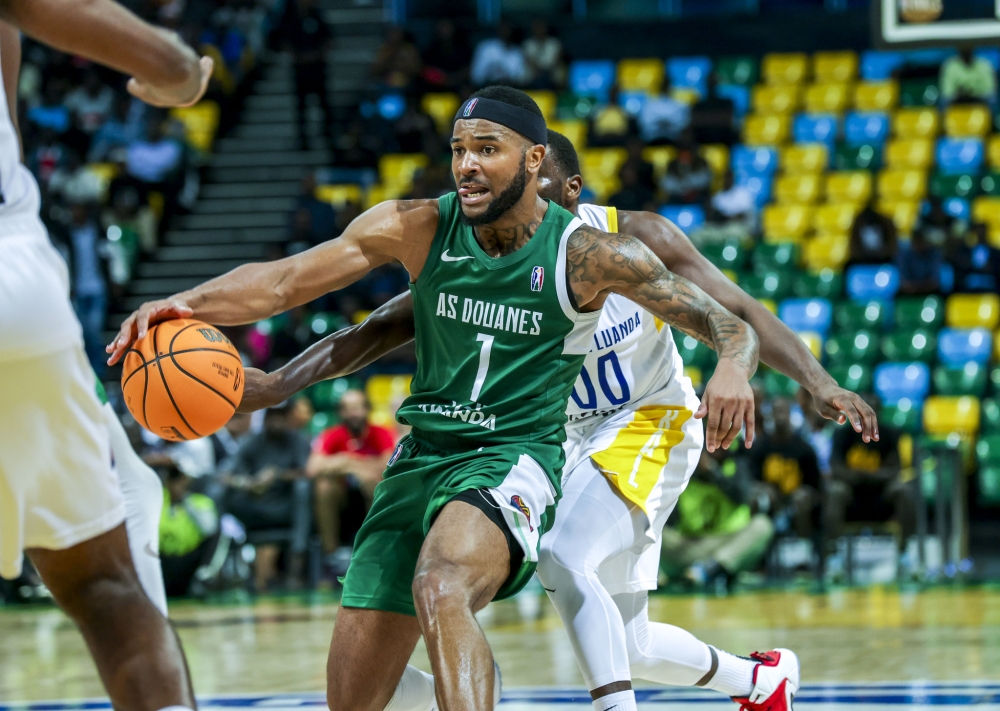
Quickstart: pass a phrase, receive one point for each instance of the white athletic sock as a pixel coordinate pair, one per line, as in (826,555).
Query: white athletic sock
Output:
(619,701)
(414,692)
(734,677)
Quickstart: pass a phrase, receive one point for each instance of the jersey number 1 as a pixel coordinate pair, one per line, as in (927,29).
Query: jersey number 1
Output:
(484,364)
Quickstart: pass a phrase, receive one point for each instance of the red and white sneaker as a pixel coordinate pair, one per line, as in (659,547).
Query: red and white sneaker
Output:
(775,682)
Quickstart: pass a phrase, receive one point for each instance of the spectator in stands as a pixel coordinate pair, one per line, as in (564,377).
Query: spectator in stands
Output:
(88,254)
(633,195)
(816,430)
(52,112)
(75,182)
(47,156)
(966,78)
(865,480)
(306,35)
(688,179)
(873,237)
(976,263)
(323,218)
(352,454)
(189,531)
(121,129)
(732,213)
(543,57)
(635,147)
(712,533)
(663,118)
(610,124)
(398,62)
(713,117)
(920,260)
(155,159)
(267,490)
(91,103)
(787,470)
(446,60)
(499,60)
(415,130)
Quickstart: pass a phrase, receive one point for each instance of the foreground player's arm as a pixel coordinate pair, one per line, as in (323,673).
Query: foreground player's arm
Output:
(781,349)
(388,232)
(164,70)
(341,353)
(599,263)
(10,63)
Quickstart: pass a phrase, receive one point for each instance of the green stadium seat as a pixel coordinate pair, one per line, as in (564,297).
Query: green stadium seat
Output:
(988,483)
(693,352)
(867,156)
(855,377)
(767,285)
(779,385)
(827,284)
(848,348)
(990,184)
(902,346)
(949,186)
(849,316)
(323,324)
(969,379)
(736,70)
(919,312)
(919,92)
(905,418)
(988,450)
(571,106)
(990,415)
(726,255)
(778,257)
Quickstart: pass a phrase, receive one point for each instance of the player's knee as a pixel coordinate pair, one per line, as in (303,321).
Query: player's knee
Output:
(343,695)
(90,599)
(440,585)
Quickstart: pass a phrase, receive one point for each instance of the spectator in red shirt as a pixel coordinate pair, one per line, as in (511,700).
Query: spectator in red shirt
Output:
(353,452)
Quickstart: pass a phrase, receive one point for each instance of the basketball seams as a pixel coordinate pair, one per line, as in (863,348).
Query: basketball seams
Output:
(199,380)
(156,334)
(171,354)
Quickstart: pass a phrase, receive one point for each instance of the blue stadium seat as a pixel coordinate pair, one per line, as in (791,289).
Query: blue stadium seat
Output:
(960,155)
(958,208)
(957,346)
(815,128)
(687,217)
(807,314)
(902,381)
(872,282)
(991,55)
(927,56)
(754,160)
(633,101)
(592,77)
(739,95)
(391,106)
(759,184)
(879,66)
(689,73)
(866,127)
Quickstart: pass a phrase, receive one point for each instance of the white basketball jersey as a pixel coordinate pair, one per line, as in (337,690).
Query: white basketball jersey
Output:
(632,353)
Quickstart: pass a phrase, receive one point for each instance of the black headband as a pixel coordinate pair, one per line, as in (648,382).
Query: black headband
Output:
(529,125)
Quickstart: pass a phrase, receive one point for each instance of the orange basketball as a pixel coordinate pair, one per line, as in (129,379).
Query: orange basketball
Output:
(182,381)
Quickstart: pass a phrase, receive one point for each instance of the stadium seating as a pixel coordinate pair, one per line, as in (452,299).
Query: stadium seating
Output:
(740,71)
(687,217)
(957,346)
(784,68)
(916,123)
(805,158)
(640,75)
(827,98)
(866,128)
(973,311)
(828,252)
(876,96)
(919,312)
(879,65)
(968,379)
(905,345)
(872,283)
(815,128)
(855,347)
(690,73)
(902,153)
(807,315)
(902,381)
(849,186)
(967,121)
(835,67)
(944,415)
(766,129)
(798,188)
(592,78)
(442,107)
(960,155)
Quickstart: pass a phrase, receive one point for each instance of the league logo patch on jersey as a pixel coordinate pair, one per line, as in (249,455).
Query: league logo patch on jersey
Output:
(395,454)
(537,278)
(469,107)
(518,503)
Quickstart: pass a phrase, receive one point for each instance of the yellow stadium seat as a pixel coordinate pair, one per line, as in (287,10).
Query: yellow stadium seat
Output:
(105,171)
(766,129)
(383,389)
(784,68)
(380,193)
(546,101)
(685,95)
(359,316)
(776,98)
(603,187)
(996,347)
(813,341)
(909,153)
(827,98)
(993,151)
(717,157)
(441,107)
(994,238)
(694,373)
(805,158)
(786,222)
(916,123)
(944,415)
(835,67)
(660,157)
(640,75)
(826,252)
(876,95)
(602,162)
(339,194)
(902,184)
(802,189)
(201,122)
(968,121)
(770,304)
(398,168)
(574,129)
(903,213)
(986,209)
(973,311)
(853,186)
(834,218)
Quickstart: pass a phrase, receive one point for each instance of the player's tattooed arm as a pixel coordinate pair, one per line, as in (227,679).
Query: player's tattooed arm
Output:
(341,353)
(599,263)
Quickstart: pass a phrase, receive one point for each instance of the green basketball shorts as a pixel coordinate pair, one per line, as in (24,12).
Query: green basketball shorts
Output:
(420,479)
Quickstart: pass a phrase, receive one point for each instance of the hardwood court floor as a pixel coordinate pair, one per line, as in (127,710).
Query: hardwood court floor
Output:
(842,638)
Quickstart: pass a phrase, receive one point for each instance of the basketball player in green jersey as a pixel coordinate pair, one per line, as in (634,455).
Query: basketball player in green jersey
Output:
(507,289)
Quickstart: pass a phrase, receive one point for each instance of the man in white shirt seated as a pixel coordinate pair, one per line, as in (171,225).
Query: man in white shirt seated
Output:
(732,214)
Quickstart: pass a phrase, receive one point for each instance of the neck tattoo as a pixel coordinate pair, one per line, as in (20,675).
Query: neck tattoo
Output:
(503,241)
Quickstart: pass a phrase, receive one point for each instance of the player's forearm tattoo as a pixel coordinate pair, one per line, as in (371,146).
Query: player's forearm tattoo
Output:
(620,263)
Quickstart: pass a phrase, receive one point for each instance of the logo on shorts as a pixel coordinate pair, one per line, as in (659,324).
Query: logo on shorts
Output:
(395,455)
(537,278)
(469,106)
(518,503)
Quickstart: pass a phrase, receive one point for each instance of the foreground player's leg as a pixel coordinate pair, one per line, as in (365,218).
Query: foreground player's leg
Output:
(136,651)
(463,563)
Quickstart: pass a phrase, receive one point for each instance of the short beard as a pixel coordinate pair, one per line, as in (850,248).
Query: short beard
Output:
(503,202)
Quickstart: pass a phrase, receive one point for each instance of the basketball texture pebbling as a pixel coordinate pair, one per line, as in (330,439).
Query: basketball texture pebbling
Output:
(183,380)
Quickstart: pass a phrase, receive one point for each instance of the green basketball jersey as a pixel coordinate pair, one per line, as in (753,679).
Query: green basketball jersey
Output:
(498,342)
